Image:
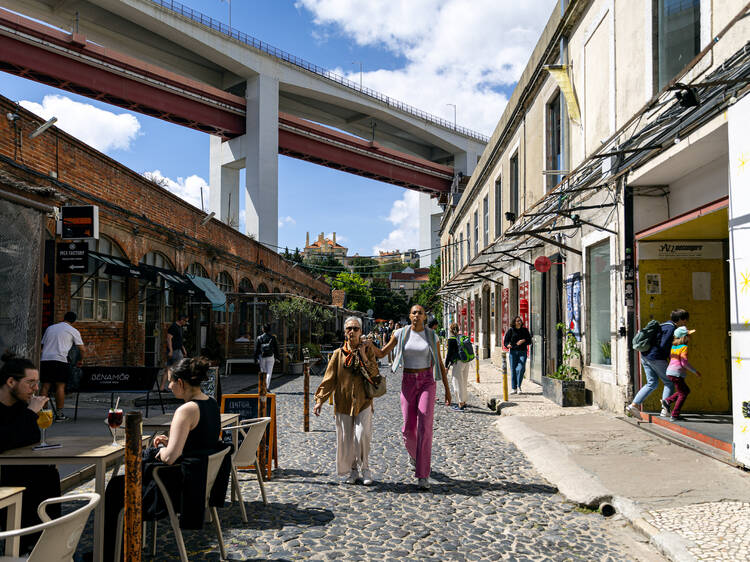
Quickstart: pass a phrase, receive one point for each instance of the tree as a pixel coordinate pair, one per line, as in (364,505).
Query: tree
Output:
(363,266)
(427,295)
(358,292)
(327,265)
(389,304)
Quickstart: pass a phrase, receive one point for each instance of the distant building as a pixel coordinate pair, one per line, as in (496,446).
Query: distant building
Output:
(410,256)
(410,280)
(387,257)
(323,247)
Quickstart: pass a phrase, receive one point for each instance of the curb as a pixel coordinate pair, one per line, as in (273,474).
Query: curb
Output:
(555,464)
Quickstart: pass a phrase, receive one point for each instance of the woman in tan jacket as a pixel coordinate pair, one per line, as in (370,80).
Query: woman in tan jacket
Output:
(353,409)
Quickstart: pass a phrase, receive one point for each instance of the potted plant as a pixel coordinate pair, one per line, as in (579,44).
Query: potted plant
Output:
(606,349)
(565,387)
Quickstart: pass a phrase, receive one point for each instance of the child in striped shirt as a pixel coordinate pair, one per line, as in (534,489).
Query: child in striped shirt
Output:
(677,371)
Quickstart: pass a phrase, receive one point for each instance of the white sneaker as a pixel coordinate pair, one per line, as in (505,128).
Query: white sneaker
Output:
(423,483)
(367,478)
(353,477)
(664,413)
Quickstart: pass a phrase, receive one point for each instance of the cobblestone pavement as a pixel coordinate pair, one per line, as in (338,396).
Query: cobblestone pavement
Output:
(486,502)
(718,530)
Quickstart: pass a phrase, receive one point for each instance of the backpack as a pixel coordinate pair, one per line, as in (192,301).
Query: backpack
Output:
(645,339)
(465,349)
(266,345)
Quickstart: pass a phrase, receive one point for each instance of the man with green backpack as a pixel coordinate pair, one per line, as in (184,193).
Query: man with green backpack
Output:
(654,342)
(459,357)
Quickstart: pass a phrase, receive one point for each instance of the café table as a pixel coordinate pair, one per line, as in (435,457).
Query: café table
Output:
(10,497)
(76,450)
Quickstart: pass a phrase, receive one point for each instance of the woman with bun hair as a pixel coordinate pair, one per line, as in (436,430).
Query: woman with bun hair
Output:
(195,428)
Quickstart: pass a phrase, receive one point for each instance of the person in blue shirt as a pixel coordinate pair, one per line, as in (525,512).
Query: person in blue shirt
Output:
(655,361)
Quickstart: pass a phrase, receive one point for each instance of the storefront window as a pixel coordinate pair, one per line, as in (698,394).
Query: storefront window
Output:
(102,296)
(157,259)
(599,333)
(224,282)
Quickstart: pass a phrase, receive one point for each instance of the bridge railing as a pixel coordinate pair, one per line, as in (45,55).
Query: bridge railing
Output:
(217,25)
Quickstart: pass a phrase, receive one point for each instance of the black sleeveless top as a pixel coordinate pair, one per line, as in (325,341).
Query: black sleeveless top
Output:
(205,435)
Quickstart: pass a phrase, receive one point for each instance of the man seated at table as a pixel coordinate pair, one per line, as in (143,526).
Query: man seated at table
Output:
(18,428)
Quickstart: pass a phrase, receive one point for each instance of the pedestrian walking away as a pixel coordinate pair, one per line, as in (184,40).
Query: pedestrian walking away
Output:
(54,369)
(175,347)
(266,351)
(416,347)
(344,380)
(677,371)
(654,363)
(459,369)
(517,340)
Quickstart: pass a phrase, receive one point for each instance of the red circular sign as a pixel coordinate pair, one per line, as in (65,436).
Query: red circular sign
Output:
(542,264)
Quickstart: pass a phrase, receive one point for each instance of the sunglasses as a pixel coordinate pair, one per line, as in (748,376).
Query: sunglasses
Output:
(352,328)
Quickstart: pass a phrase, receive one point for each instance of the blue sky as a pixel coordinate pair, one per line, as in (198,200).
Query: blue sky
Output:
(428,53)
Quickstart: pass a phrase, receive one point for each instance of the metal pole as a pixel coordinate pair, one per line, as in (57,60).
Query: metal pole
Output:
(306,418)
(504,360)
(476,361)
(133,487)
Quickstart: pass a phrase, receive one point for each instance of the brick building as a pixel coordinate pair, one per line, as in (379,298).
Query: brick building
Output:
(123,316)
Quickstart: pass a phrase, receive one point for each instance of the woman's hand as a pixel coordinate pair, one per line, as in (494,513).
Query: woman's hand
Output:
(520,342)
(447,396)
(317,408)
(161,440)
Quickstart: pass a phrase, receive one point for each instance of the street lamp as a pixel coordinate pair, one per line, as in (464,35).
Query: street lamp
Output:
(360,72)
(453,105)
(230,10)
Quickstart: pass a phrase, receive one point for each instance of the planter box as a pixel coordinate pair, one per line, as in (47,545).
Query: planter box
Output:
(564,393)
(296,368)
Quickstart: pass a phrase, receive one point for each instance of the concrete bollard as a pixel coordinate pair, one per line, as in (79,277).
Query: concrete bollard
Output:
(133,487)
(476,362)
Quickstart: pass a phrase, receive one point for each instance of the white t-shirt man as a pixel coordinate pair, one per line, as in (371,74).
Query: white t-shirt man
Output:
(57,341)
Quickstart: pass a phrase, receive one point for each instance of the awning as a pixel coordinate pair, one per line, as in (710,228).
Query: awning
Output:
(122,267)
(213,293)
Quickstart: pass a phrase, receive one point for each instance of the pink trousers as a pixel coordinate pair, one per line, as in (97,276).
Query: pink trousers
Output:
(418,408)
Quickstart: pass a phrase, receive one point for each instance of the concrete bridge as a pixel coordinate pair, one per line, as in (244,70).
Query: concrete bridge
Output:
(179,40)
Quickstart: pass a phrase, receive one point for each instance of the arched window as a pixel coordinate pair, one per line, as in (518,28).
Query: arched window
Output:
(226,285)
(102,297)
(262,288)
(158,259)
(197,269)
(246,286)
(276,290)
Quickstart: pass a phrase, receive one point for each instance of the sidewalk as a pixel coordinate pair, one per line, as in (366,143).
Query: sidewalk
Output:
(690,506)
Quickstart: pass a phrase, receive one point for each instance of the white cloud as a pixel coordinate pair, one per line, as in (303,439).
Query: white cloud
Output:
(457,51)
(339,237)
(404,216)
(188,189)
(104,130)
(286,220)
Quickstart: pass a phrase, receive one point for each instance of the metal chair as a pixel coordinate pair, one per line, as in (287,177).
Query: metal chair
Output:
(247,453)
(60,536)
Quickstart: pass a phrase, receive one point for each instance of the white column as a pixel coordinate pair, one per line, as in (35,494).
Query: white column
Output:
(224,181)
(430,214)
(261,160)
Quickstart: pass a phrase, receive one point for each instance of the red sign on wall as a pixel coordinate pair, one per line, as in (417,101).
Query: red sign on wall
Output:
(505,311)
(523,302)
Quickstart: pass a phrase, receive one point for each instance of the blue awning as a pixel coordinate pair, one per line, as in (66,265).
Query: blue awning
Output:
(213,293)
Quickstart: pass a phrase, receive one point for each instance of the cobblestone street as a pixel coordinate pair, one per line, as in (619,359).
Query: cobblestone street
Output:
(486,502)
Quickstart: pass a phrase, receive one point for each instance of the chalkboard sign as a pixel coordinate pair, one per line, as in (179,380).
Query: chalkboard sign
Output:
(246,405)
(117,379)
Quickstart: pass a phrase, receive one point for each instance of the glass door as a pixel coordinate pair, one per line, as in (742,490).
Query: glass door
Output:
(153,327)
(537,308)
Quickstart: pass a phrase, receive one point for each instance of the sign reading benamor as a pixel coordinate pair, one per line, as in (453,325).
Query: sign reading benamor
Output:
(739,273)
(681,250)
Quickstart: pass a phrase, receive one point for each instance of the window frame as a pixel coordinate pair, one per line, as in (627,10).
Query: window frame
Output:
(498,206)
(553,139)
(486,214)
(701,22)
(95,283)
(594,244)
(515,184)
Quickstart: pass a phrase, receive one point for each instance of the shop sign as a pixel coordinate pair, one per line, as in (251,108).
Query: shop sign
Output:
(80,222)
(573,303)
(72,257)
(681,249)
(523,302)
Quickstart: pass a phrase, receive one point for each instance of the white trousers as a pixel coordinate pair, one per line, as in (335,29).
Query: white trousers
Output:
(459,377)
(353,437)
(266,366)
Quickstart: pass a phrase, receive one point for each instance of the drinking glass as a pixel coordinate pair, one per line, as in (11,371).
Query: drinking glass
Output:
(44,420)
(114,420)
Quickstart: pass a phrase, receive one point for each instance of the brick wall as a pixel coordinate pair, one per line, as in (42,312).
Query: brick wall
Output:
(139,217)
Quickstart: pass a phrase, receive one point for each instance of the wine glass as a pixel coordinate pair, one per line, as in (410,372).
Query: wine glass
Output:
(44,420)
(114,420)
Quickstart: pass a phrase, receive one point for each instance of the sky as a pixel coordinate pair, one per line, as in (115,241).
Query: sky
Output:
(427,53)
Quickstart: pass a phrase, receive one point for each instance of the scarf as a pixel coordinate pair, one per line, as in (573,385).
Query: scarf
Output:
(351,357)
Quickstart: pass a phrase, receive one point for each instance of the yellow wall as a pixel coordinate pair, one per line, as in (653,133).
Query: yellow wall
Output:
(708,346)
